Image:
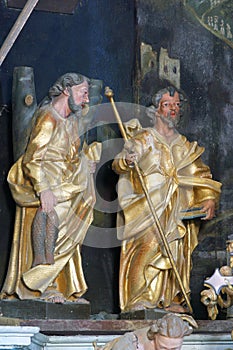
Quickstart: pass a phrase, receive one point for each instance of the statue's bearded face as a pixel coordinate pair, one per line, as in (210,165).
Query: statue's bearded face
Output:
(78,97)
(169,109)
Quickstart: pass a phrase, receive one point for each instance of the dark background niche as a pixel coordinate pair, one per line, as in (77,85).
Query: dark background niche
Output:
(101,40)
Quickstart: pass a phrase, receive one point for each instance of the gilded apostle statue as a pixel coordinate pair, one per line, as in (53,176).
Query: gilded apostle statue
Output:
(180,187)
(52,184)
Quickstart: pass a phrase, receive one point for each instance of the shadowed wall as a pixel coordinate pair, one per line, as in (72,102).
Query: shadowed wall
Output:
(102,40)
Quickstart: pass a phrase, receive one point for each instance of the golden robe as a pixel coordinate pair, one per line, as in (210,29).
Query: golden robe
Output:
(176,179)
(52,161)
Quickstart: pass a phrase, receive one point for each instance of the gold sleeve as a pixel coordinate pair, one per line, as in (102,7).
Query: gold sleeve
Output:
(33,158)
(207,188)
(206,192)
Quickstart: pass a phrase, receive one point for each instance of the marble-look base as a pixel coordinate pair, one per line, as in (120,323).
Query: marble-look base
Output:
(17,337)
(194,342)
(80,334)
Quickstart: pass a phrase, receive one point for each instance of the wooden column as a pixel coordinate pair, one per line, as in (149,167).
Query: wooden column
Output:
(23,107)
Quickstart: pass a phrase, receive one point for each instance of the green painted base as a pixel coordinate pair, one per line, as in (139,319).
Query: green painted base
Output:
(37,309)
(147,314)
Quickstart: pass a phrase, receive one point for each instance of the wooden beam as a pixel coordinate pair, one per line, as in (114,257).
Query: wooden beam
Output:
(16,29)
(59,6)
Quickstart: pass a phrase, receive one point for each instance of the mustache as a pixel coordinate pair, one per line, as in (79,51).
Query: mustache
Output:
(172,122)
(175,119)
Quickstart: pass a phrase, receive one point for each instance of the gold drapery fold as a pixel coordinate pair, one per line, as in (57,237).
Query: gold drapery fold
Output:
(52,161)
(176,179)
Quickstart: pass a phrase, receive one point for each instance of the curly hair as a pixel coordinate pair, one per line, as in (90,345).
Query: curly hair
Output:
(171,90)
(171,326)
(66,80)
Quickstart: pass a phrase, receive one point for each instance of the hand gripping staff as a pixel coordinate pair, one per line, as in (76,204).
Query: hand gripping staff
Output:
(109,94)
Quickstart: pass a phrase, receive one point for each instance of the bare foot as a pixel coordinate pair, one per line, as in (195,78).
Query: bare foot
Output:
(81,301)
(53,296)
(137,307)
(176,308)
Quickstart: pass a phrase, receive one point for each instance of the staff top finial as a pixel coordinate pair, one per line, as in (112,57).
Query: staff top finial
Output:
(108,92)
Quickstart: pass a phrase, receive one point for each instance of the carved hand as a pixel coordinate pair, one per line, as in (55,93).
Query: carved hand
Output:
(209,209)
